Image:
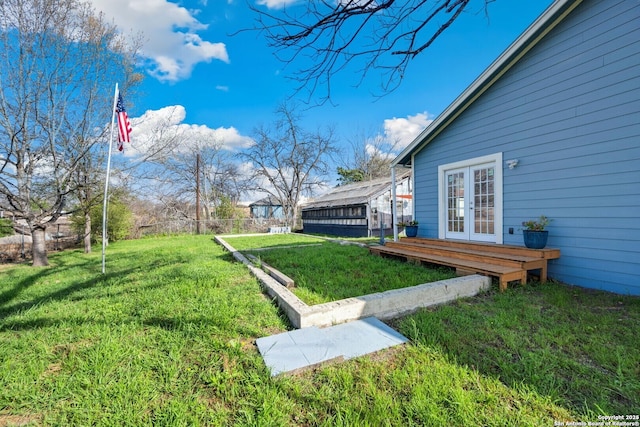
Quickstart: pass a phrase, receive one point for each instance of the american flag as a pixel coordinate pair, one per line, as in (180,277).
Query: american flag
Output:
(124,125)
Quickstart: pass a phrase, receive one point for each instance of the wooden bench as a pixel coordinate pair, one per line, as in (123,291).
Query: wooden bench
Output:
(507,263)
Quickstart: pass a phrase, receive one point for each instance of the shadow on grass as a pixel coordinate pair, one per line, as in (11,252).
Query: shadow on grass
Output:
(6,309)
(10,299)
(36,274)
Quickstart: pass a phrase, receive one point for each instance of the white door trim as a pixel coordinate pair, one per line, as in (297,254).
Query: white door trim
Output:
(442,202)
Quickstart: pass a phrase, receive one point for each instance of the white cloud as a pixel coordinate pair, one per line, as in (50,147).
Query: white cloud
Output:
(375,151)
(281,4)
(276,4)
(404,131)
(167,123)
(172,46)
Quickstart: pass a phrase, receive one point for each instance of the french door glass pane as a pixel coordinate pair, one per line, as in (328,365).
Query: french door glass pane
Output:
(484,202)
(455,202)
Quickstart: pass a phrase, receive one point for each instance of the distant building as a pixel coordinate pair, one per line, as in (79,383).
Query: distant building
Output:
(359,209)
(267,208)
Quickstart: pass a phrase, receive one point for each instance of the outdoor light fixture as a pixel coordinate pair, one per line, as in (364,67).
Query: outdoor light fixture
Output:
(512,163)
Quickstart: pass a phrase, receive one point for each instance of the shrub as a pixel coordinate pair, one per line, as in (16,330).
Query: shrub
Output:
(6,227)
(119,221)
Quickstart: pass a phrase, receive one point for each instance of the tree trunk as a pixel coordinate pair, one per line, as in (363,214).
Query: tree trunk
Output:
(39,247)
(87,233)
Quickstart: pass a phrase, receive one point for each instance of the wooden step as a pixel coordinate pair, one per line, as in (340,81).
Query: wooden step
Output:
(466,254)
(507,262)
(546,253)
(475,253)
(504,273)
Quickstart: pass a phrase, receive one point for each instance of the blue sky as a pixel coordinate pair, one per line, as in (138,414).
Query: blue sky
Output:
(226,85)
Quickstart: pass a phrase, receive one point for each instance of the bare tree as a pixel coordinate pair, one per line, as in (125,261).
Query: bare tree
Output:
(369,157)
(223,180)
(374,34)
(87,180)
(172,171)
(58,64)
(289,161)
(219,179)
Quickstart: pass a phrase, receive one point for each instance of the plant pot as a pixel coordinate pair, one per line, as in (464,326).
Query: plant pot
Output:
(411,230)
(534,239)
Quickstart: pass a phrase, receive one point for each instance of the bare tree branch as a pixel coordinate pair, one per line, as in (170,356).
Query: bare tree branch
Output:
(368,157)
(289,161)
(325,38)
(168,175)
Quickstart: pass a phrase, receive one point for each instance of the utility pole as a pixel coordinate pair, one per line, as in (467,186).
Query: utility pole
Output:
(198,193)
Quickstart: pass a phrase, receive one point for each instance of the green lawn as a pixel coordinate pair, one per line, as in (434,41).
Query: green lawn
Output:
(166,337)
(313,264)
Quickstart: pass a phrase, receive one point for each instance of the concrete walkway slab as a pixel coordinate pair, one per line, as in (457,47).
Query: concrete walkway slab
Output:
(301,348)
(363,336)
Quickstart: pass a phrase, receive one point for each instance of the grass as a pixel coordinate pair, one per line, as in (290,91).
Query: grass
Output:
(314,268)
(166,337)
(244,243)
(575,346)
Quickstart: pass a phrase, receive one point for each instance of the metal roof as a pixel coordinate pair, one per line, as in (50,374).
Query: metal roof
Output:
(266,201)
(354,194)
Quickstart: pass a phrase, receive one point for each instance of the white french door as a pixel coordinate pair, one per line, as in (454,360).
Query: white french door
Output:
(471,206)
(457,204)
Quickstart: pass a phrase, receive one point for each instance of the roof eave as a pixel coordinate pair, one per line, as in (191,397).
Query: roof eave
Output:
(553,15)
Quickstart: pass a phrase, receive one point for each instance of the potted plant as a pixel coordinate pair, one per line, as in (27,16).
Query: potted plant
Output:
(410,228)
(535,235)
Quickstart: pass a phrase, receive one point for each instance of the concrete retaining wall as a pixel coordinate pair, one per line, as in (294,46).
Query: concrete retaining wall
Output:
(383,305)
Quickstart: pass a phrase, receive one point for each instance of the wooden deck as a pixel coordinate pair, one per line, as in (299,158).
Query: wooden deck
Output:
(507,263)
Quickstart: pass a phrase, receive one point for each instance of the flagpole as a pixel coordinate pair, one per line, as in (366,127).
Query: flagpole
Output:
(106,182)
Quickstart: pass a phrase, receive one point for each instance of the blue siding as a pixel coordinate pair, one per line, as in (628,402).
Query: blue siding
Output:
(267,212)
(337,230)
(569,111)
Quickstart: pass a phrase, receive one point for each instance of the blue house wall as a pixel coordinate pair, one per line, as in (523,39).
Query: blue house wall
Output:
(569,112)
